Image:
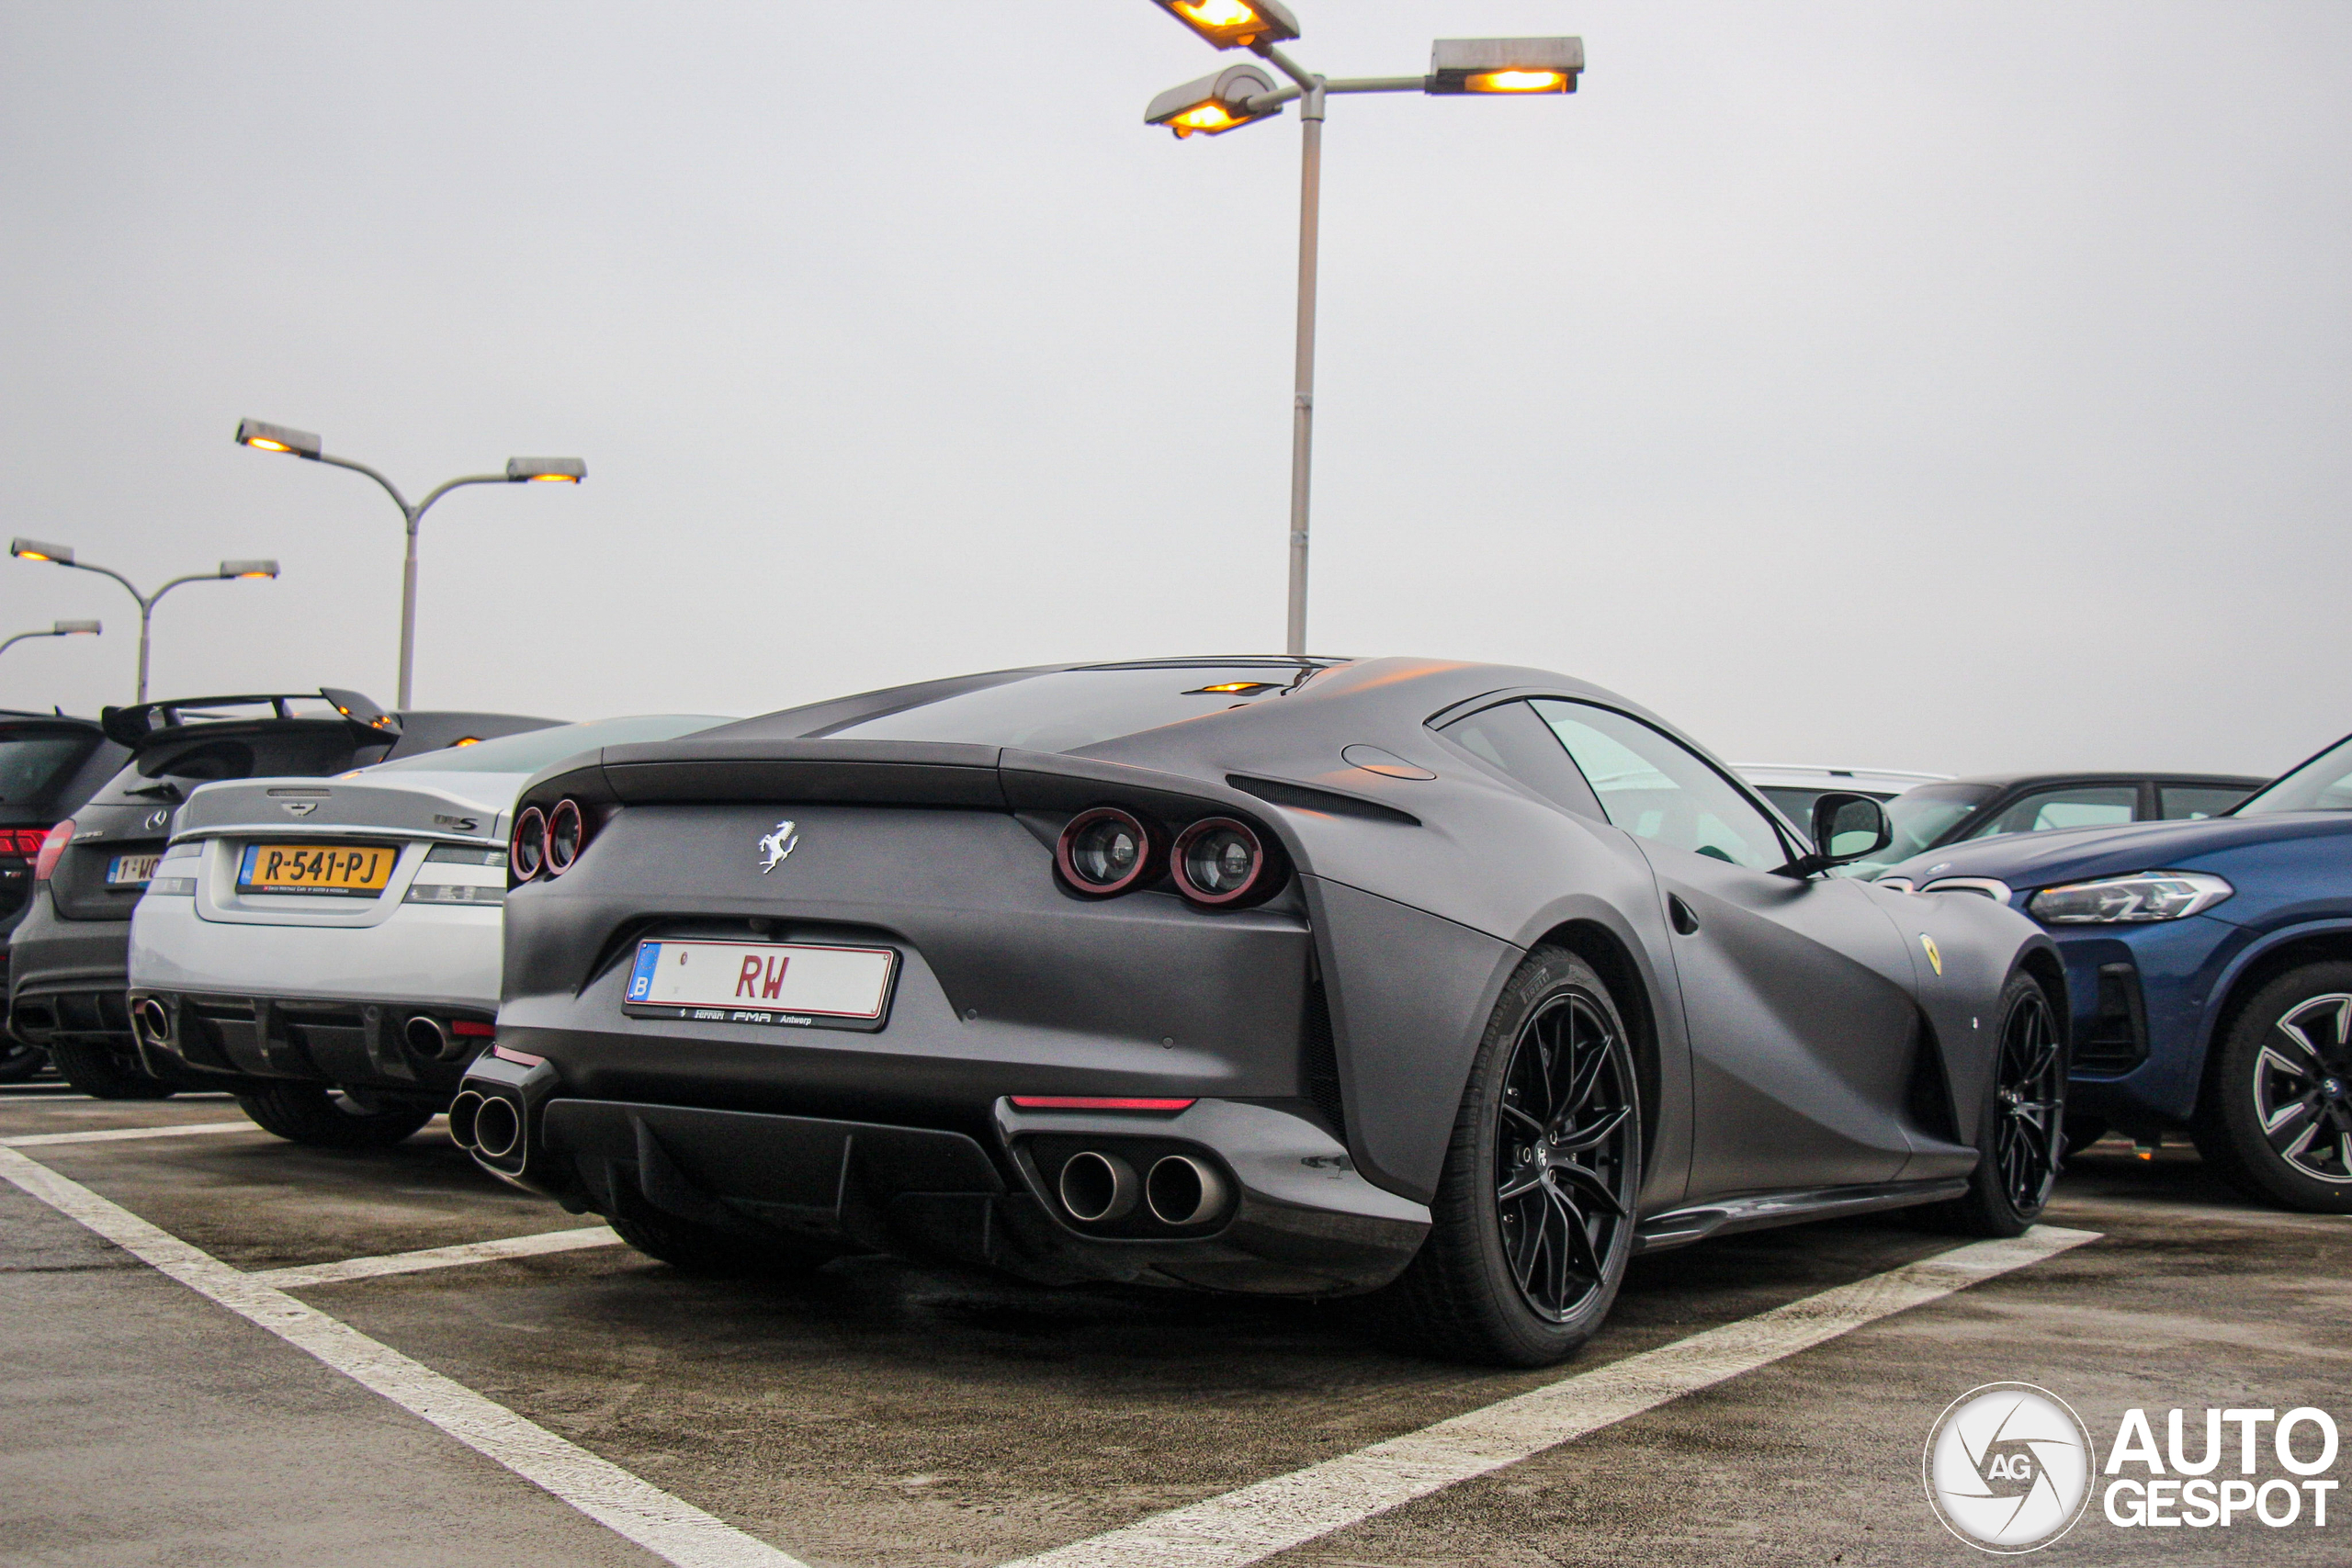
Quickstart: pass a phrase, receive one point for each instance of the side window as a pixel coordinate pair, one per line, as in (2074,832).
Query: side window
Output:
(2191,803)
(1653,788)
(1509,736)
(2069,806)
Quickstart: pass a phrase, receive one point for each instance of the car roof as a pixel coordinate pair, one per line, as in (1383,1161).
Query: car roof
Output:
(2012,781)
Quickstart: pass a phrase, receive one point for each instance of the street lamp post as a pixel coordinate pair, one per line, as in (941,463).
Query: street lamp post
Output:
(264,437)
(57,628)
(1243,94)
(63,555)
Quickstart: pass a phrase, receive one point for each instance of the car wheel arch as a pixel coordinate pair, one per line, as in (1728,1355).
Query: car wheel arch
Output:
(1630,986)
(2257,967)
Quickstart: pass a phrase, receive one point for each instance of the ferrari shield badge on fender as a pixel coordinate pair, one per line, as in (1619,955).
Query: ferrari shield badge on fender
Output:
(1934,956)
(777,845)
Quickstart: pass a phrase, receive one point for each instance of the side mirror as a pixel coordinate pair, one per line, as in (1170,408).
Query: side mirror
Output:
(1845,827)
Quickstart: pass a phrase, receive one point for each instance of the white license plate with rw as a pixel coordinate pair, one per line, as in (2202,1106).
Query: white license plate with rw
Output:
(762,982)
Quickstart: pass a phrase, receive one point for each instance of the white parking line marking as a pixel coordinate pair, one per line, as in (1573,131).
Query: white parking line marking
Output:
(674,1530)
(1274,1515)
(301,1276)
(114,1135)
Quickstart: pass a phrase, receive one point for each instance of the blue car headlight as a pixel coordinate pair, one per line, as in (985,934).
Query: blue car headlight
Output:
(2142,897)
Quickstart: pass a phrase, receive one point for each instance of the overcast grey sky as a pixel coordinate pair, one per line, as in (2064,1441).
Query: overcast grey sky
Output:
(1939,386)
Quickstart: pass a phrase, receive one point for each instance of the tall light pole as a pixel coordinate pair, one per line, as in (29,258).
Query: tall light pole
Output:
(57,628)
(1241,95)
(519,470)
(63,555)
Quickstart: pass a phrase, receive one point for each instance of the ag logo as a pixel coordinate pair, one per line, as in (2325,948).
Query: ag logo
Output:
(298,807)
(2008,1467)
(777,845)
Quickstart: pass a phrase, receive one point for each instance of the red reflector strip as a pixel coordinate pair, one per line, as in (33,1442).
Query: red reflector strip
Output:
(1095,1102)
(503,1055)
(467,1029)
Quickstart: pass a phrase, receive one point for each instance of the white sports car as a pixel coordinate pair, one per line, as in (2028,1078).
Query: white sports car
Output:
(328,950)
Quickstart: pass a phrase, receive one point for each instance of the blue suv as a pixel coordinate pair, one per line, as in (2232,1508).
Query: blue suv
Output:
(2210,966)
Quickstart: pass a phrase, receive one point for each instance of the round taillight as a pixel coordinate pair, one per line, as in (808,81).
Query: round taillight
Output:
(45,858)
(528,850)
(1105,850)
(565,832)
(1218,861)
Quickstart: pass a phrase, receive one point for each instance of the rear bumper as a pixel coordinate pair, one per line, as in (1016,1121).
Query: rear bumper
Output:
(1296,1218)
(66,978)
(361,1043)
(424,956)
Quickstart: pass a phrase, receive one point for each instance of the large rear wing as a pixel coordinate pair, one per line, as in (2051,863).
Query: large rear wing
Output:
(136,725)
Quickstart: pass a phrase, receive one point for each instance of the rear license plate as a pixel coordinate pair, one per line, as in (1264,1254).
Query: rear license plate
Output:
(345,871)
(131,871)
(794,984)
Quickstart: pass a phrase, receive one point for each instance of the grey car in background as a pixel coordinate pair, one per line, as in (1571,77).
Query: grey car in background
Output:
(327,950)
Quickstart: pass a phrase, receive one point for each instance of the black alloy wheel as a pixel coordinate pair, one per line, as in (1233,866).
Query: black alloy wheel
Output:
(2030,1139)
(2022,1132)
(1564,1162)
(1532,1221)
(2275,1118)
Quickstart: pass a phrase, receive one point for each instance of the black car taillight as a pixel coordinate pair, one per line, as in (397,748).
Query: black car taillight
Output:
(526,852)
(567,836)
(1107,851)
(1218,862)
(52,846)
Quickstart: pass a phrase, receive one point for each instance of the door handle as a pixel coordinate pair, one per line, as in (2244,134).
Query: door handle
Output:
(1685,922)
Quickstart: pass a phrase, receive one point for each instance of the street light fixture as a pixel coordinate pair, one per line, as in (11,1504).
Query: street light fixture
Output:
(265,437)
(57,628)
(1228,100)
(63,555)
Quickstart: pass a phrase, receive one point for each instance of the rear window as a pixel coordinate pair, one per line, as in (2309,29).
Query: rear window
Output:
(1068,710)
(534,750)
(33,766)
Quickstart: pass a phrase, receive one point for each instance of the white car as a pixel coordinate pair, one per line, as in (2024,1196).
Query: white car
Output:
(1794,786)
(328,949)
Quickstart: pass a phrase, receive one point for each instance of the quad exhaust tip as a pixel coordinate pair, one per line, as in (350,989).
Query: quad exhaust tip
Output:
(1096,1187)
(1184,1191)
(497,1127)
(462,1111)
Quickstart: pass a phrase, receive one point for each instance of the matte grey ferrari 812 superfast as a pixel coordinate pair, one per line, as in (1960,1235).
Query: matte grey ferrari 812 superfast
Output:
(1451,986)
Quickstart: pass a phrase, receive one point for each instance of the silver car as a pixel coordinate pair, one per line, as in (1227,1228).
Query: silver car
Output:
(328,949)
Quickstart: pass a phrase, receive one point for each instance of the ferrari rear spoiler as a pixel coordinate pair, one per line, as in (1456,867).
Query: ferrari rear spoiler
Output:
(141,722)
(916,772)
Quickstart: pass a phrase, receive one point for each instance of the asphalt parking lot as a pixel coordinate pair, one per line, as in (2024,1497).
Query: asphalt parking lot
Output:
(878,1414)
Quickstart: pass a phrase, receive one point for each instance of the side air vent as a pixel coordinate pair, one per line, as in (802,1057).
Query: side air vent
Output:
(1926,1097)
(1318,1058)
(2117,1039)
(1304,797)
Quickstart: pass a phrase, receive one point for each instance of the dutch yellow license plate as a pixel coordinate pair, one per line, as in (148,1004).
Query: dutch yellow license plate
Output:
(361,871)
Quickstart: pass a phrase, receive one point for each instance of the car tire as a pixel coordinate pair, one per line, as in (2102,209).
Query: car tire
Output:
(2278,1091)
(694,1248)
(2021,1125)
(19,1061)
(324,1119)
(1534,1213)
(105,1074)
